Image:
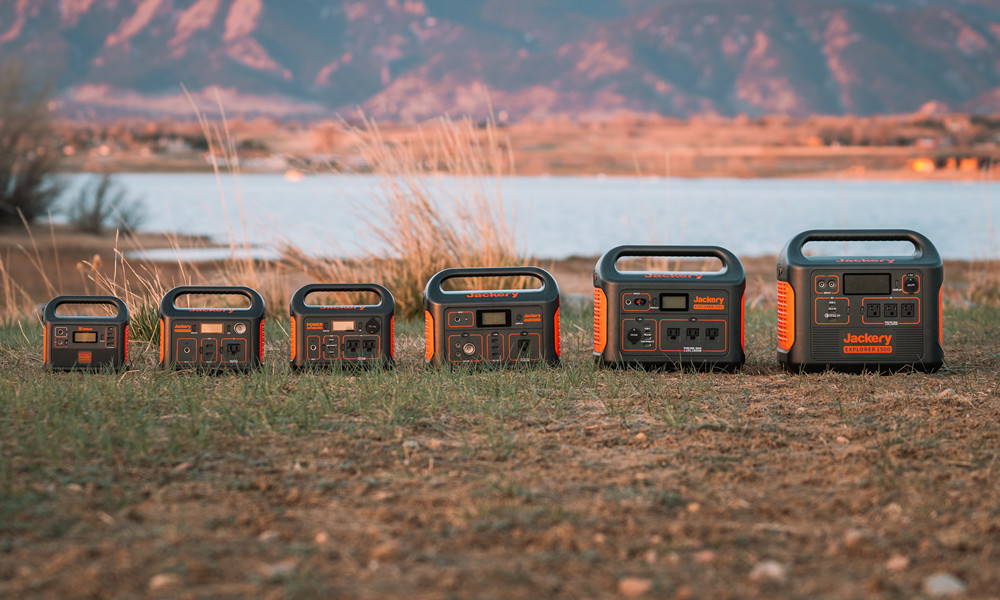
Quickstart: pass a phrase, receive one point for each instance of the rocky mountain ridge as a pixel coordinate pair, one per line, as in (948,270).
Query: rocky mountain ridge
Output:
(413,59)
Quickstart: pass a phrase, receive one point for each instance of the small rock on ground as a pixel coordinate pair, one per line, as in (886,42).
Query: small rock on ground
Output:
(163,581)
(632,587)
(768,571)
(943,585)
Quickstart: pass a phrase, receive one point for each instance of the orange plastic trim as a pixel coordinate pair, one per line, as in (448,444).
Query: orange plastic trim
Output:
(163,341)
(293,335)
(260,347)
(786,316)
(125,344)
(558,344)
(45,344)
(428,336)
(600,320)
(392,336)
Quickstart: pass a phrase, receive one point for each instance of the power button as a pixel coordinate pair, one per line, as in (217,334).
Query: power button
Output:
(911,284)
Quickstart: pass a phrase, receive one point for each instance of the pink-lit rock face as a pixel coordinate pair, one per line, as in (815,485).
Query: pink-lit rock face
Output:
(416,59)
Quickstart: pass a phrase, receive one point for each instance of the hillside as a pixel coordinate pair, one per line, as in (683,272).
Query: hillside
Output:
(412,59)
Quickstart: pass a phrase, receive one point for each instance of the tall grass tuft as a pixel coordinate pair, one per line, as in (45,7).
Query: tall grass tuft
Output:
(421,224)
(417,228)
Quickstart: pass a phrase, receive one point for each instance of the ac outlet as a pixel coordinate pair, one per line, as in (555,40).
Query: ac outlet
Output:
(233,351)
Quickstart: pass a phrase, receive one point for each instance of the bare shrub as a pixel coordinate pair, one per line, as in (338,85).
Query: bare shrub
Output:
(419,229)
(29,155)
(103,204)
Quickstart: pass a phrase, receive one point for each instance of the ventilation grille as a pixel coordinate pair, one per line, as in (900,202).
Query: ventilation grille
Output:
(786,316)
(600,320)
(428,336)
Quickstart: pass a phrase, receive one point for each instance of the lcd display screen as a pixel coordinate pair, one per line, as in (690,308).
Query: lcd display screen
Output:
(342,325)
(84,337)
(868,284)
(673,301)
(211,328)
(493,318)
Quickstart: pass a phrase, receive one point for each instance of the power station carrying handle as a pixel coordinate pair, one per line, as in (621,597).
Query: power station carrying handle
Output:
(169,303)
(55,303)
(548,282)
(298,301)
(923,247)
(732,267)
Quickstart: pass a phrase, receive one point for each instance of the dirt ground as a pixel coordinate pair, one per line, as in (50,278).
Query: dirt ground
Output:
(569,482)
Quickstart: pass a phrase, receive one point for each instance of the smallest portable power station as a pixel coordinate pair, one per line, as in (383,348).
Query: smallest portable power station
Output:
(85,343)
(211,339)
(669,319)
(492,328)
(356,335)
(860,312)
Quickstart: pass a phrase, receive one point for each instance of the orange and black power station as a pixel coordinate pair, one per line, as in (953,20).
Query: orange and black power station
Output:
(85,343)
(853,313)
(662,319)
(212,339)
(492,328)
(342,335)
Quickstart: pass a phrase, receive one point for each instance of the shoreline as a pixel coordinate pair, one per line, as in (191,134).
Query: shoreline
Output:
(898,175)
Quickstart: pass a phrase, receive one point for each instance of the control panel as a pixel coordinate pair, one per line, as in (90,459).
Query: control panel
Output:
(494,335)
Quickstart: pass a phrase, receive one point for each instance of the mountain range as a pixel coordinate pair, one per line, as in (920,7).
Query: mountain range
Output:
(414,59)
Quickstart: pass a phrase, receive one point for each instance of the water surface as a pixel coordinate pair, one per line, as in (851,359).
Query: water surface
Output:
(554,217)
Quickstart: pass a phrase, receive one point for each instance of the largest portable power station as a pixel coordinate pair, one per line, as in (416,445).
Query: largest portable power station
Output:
(860,312)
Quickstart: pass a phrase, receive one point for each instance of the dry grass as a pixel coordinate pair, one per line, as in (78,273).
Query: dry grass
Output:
(421,227)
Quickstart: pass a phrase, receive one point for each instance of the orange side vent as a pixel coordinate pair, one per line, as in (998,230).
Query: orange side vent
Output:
(558,344)
(260,347)
(45,344)
(786,316)
(392,336)
(600,320)
(428,336)
(292,340)
(163,341)
(125,344)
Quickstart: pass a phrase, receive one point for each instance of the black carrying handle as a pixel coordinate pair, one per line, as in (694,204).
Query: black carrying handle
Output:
(548,282)
(732,267)
(169,303)
(924,248)
(298,301)
(49,314)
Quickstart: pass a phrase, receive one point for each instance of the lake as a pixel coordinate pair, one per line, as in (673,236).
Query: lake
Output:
(555,217)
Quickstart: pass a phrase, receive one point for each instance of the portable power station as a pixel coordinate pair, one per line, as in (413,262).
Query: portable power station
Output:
(853,313)
(328,335)
(85,343)
(211,339)
(492,327)
(669,319)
